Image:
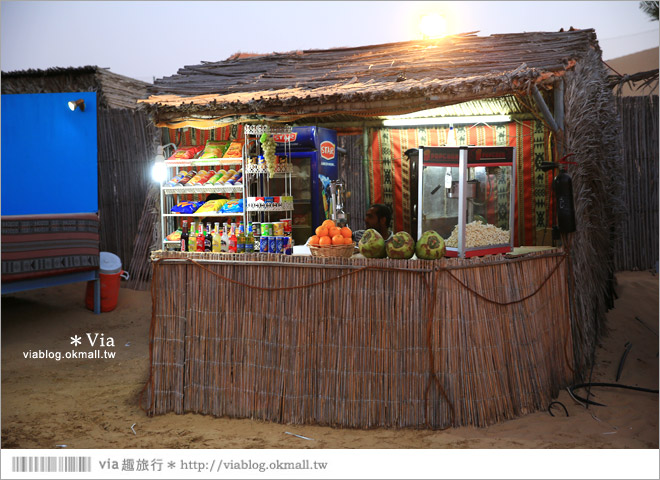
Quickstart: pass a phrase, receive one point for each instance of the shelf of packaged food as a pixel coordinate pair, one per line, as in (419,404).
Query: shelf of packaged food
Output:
(210,162)
(180,190)
(207,162)
(205,214)
(274,209)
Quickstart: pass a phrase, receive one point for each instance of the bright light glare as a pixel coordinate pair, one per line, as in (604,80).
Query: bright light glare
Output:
(433,25)
(159,172)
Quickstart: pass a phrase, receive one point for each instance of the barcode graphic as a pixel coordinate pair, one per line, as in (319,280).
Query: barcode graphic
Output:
(51,464)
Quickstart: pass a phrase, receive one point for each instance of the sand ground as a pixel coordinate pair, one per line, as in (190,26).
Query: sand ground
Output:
(92,403)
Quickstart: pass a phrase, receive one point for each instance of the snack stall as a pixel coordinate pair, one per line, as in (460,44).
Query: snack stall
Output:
(326,336)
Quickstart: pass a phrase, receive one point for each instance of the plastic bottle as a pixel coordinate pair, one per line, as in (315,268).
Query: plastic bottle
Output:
(216,245)
(192,241)
(224,239)
(233,241)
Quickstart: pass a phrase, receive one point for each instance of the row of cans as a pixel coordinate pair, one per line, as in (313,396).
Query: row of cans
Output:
(269,229)
(275,244)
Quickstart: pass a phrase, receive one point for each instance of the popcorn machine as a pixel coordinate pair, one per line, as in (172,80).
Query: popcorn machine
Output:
(466,194)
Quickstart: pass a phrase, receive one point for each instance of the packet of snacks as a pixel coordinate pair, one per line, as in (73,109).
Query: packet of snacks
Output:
(214,149)
(235,150)
(186,153)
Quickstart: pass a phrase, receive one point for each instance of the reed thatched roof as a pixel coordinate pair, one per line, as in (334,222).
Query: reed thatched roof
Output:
(114,90)
(391,78)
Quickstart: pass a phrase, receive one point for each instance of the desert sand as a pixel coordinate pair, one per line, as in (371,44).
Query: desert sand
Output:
(92,403)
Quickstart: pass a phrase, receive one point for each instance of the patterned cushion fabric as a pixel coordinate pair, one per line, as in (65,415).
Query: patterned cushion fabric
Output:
(35,246)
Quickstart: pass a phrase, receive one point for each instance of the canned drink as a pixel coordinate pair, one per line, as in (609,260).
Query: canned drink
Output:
(281,243)
(278,229)
(261,163)
(287,225)
(267,229)
(256,229)
(272,244)
(287,248)
(263,244)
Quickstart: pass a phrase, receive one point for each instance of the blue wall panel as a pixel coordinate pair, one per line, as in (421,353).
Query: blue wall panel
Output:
(49,154)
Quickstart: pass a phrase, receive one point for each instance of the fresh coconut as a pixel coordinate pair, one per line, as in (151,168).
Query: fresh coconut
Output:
(372,244)
(402,245)
(430,246)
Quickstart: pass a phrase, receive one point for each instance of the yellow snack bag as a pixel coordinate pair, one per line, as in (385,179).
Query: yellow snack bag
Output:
(235,150)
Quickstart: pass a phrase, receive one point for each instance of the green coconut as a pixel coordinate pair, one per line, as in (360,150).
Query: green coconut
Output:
(401,245)
(430,246)
(372,244)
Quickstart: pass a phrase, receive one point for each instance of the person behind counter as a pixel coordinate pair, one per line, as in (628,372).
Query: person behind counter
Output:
(378,217)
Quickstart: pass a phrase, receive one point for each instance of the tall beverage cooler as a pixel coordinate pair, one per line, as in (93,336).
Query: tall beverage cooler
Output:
(313,153)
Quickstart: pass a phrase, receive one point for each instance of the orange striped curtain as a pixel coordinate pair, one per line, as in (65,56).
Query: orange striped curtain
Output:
(389,175)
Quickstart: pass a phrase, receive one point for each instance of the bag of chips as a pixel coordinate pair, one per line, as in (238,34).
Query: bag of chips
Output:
(214,149)
(233,206)
(212,206)
(174,236)
(186,207)
(186,153)
(235,150)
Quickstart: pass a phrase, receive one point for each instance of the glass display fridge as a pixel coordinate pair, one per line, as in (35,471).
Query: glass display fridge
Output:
(313,154)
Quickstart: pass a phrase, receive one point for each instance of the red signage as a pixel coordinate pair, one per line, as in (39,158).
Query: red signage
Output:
(285,137)
(327,150)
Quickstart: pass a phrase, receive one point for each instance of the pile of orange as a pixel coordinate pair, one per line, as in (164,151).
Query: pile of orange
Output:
(330,234)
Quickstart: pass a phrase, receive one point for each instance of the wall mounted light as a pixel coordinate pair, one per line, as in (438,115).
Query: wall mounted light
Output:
(159,170)
(80,103)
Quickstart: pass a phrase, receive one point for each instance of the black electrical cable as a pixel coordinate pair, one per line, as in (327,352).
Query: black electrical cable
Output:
(628,346)
(556,403)
(599,384)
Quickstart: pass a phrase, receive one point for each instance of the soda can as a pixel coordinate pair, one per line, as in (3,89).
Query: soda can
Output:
(289,246)
(263,244)
(281,242)
(278,229)
(272,244)
(287,225)
(267,229)
(256,229)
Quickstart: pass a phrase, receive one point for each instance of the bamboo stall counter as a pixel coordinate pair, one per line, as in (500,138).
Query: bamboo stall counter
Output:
(354,342)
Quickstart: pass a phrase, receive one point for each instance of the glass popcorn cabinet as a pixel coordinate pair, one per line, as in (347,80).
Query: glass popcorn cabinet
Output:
(466,194)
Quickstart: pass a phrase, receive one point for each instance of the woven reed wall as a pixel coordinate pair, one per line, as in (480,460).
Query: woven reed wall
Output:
(126,148)
(359,343)
(638,245)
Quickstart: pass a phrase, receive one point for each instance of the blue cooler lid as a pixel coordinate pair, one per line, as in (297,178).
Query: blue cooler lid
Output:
(109,263)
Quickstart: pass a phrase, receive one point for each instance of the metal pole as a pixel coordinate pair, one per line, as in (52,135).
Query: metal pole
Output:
(538,98)
(559,103)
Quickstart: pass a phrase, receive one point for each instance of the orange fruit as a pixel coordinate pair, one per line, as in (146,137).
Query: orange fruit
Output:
(321,231)
(338,239)
(314,240)
(328,224)
(346,232)
(334,231)
(325,240)
(347,240)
